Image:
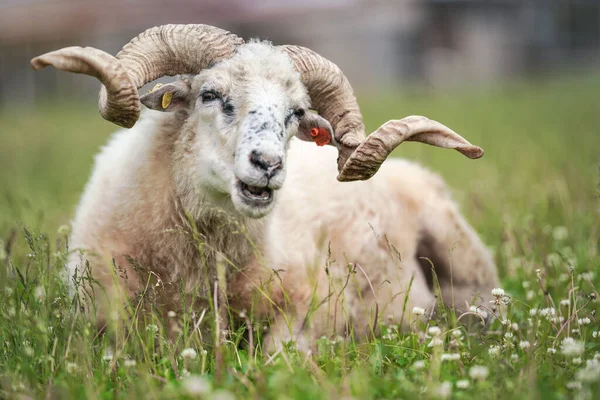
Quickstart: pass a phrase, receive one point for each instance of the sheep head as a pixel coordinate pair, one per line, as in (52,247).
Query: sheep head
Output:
(254,97)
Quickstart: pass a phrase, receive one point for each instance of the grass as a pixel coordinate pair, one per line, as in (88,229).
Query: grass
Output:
(534,198)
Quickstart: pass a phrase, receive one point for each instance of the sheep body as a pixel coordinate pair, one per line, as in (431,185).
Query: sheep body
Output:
(143,213)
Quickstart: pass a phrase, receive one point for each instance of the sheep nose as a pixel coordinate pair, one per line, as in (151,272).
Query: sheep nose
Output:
(268,163)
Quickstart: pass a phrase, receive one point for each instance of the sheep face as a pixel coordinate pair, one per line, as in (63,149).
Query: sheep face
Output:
(241,114)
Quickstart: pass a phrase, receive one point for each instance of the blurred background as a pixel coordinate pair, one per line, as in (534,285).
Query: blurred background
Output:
(378,43)
(517,77)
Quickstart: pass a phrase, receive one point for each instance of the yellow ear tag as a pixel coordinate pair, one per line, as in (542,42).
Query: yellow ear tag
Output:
(166,100)
(155,87)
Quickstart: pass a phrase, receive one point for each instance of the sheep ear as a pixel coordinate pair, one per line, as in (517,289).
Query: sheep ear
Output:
(169,97)
(314,128)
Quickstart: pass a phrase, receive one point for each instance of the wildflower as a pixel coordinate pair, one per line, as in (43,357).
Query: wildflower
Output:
(589,374)
(565,303)
(570,347)
(514,326)
(506,322)
(450,356)
(463,384)
(152,328)
(108,354)
(508,336)
(64,230)
(418,311)
(171,314)
(419,364)
(524,344)
(444,390)
(457,334)
(551,350)
(584,321)
(596,334)
(577,361)
(530,295)
(434,331)
(71,367)
(547,312)
(479,311)
(189,353)
(533,312)
(130,363)
(575,331)
(497,292)
(196,385)
(560,233)
(494,351)
(514,357)
(479,372)
(436,341)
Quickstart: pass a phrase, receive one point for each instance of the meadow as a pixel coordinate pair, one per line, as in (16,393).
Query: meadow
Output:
(534,198)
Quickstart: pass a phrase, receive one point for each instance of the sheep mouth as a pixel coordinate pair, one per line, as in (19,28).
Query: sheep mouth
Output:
(255,195)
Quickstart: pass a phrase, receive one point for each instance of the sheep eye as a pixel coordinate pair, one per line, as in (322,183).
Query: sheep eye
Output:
(299,113)
(209,96)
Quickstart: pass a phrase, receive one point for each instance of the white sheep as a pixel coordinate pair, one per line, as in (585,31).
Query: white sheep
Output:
(204,181)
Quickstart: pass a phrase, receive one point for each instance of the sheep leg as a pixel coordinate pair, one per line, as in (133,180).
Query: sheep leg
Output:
(463,266)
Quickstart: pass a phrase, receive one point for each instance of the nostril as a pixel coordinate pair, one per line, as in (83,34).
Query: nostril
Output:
(267,163)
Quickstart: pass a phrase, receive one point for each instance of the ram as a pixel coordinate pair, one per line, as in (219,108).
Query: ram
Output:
(218,173)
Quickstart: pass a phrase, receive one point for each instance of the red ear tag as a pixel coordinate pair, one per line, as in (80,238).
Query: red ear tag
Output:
(320,136)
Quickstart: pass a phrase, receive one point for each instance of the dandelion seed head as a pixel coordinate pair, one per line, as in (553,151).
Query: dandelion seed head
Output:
(189,353)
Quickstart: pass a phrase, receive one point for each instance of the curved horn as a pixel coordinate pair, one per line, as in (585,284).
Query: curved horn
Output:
(333,97)
(368,157)
(159,51)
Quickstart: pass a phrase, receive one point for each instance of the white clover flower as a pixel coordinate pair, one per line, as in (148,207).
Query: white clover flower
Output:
(450,357)
(571,347)
(479,372)
(196,385)
(533,312)
(129,363)
(419,364)
(564,303)
(434,331)
(514,326)
(577,361)
(498,292)
(444,390)
(524,344)
(189,353)
(418,311)
(506,322)
(575,331)
(514,357)
(436,341)
(463,384)
(595,334)
(574,385)
(494,351)
(560,233)
(508,336)
(584,321)
(588,276)
(72,367)
(457,334)
(171,314)
(548,312)
(589,374)
(152,328)
(551,350)
(479,311)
